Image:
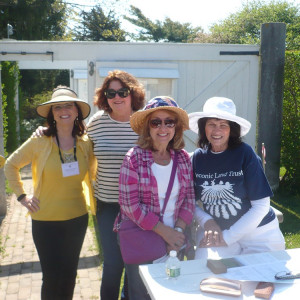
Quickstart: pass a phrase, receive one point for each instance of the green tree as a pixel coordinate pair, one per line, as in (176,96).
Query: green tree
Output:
(34,19)
(10,78)
(96,25)
(32,120)
(244,26)
(4,104)
(36,87)
(166,31)
(290,151)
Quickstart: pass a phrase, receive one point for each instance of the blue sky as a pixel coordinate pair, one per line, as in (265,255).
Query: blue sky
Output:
(202,13)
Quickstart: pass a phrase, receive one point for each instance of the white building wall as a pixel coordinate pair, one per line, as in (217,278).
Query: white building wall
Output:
(191,73)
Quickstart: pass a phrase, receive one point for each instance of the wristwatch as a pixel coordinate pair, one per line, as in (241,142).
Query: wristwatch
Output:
(20,198)
(179,229)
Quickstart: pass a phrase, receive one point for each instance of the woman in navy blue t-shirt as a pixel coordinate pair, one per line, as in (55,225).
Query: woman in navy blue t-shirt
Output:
(232,190)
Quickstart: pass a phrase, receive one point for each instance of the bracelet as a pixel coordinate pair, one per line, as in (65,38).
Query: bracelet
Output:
(20,198)
(179,229)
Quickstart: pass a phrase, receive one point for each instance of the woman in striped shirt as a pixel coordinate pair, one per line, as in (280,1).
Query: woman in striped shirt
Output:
(109,129)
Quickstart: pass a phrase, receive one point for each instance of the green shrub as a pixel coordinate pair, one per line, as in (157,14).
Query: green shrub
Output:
(41,83)
(10,78)
(290,141)
(4,118)
(29,118)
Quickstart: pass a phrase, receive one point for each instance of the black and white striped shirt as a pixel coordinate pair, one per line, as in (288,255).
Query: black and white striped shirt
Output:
(112,140)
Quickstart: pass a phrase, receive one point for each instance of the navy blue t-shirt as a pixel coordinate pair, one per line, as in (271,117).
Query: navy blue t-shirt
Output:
(226,183)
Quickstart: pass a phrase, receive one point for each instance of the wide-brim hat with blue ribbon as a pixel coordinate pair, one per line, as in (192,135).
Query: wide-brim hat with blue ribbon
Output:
(219,108)
(137,120)
(63,94)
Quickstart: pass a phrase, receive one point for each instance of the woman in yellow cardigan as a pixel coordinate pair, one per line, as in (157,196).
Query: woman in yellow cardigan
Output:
(63,166)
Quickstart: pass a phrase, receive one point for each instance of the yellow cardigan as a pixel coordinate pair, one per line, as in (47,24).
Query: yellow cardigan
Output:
(36,151)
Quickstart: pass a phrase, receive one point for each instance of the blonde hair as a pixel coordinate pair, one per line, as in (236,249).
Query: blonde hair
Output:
(145,140)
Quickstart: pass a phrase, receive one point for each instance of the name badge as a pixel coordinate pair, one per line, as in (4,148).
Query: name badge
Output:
(70,169)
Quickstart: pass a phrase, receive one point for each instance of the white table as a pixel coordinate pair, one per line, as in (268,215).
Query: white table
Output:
(260,267)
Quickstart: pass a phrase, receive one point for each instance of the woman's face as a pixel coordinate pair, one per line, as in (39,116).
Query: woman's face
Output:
(65,113)
(217,132)
(162,128)
(117,103)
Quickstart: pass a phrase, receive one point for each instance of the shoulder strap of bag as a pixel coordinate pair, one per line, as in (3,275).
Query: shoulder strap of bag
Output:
(171,182)
(168,193)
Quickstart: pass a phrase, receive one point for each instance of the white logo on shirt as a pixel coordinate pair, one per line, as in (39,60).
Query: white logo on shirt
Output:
(218,199)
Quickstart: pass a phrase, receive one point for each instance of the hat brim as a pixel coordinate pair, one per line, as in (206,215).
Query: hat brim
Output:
(137,120)
(44,108)
(195,116)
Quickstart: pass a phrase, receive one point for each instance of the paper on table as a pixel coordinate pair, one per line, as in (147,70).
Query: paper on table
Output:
(259,258)
(263,269)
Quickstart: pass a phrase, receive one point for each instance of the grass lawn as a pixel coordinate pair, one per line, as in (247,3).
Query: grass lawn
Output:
(290,207)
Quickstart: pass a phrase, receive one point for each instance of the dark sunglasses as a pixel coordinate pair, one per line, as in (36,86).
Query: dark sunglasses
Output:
(123,93)
(157,123)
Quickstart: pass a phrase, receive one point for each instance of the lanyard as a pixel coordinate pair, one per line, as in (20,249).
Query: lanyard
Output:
(62,161)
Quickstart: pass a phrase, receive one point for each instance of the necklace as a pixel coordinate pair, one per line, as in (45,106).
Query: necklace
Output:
(165,162)
(68,157)
(161,160)
(60,155)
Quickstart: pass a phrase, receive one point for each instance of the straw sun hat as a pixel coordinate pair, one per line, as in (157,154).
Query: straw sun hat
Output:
(137,120)
(219,108)
(63,94)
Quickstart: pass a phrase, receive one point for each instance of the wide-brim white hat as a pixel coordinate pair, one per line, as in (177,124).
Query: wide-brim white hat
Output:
(219,108)
(137,120)
(63,95)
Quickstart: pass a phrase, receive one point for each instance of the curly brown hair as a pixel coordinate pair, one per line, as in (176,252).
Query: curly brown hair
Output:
(127,80)
(145,140)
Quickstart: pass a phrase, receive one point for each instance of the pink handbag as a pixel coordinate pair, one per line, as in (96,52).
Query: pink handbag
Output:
(138,245)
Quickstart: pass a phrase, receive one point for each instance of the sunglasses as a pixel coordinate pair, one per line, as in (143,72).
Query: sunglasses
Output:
(123,93)
(64,106)
(157,123)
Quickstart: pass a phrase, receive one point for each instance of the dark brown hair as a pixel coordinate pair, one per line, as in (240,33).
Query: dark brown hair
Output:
(78,128)
(127,80)
(145,140)
(234,136)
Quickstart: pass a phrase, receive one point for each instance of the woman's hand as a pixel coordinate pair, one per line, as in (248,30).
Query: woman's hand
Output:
(213,236)
(39,132)
(31,203)
(173,238)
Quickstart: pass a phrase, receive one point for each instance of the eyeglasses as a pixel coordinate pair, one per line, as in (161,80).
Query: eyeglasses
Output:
(64,106)
(287,275)
(123,93)
(157,123)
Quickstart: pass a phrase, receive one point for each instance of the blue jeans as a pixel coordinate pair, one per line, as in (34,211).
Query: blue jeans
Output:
(136,287)
(113,264)
(58,244)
